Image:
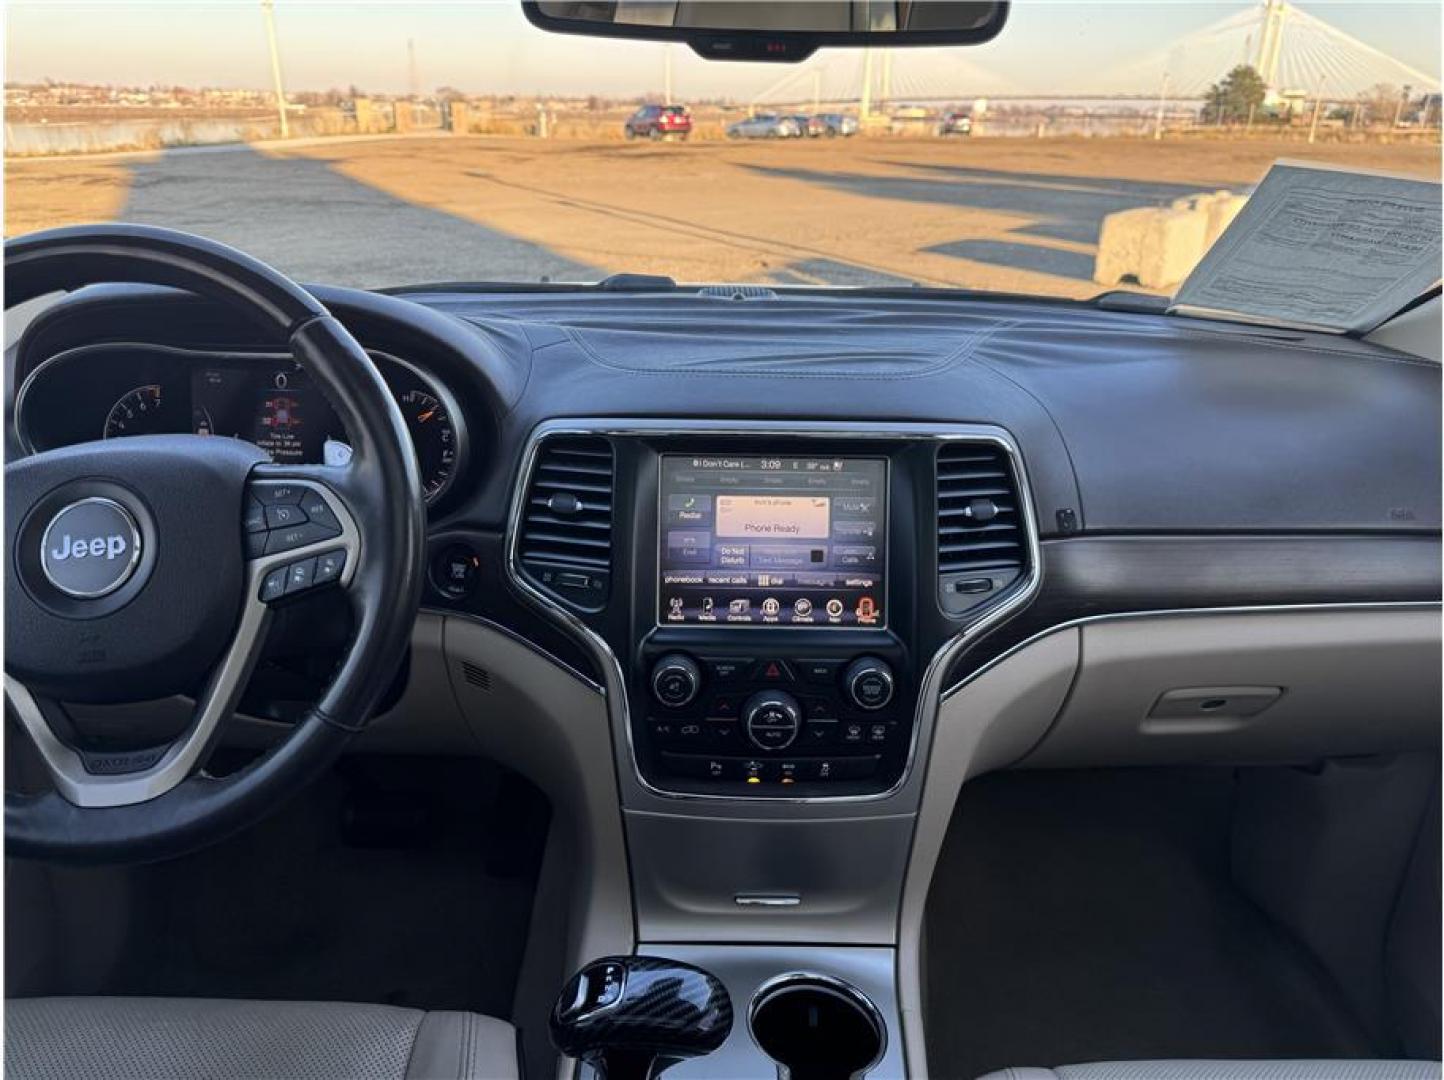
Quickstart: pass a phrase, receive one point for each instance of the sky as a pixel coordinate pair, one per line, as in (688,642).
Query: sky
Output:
(486,46)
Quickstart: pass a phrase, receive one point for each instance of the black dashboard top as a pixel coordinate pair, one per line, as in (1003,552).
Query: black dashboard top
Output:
(1138,423)
(1128,422)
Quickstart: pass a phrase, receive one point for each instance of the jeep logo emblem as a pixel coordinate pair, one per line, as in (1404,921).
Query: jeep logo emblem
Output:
(90,548)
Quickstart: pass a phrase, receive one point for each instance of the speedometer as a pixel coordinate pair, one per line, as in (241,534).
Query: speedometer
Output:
(433,434)
(433,420)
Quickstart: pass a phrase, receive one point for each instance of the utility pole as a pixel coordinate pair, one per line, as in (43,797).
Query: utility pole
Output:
(667,74)
(1318,108)
(816,91)
(1399,108)
(866,105)
(886,97)
(413,84)
(1162,97)
(269,16)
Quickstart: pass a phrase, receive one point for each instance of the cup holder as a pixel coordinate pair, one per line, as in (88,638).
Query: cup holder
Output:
(817,1028)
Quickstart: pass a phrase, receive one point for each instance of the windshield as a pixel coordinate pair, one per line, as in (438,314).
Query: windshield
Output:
(387,145)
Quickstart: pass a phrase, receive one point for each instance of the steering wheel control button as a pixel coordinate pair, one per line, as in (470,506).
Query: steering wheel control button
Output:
(329,565)
(869,683)
(273,585)
(299,575)
(254,520)
(318,511)
(284,515)
(278,540)
(90,548)
(676,680)
(772,719)
(274,494)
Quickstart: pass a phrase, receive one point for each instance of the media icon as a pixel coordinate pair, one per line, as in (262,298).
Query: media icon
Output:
(834,608)
(707,606)
(770,606)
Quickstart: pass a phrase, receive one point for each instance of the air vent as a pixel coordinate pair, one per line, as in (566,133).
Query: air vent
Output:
(478,677)
(566,537)
(982,542)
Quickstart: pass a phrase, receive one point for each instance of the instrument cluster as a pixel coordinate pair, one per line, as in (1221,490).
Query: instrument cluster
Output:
(110,391)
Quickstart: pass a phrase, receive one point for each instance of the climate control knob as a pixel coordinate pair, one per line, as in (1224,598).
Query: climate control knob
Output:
(772,719)
(676,680)
(868,682)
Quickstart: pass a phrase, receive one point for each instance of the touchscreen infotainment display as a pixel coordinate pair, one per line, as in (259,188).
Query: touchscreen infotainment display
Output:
(772,541)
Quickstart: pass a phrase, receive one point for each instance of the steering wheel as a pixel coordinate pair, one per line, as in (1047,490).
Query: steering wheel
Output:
(150,566)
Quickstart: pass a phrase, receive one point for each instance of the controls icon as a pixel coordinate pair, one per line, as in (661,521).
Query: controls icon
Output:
(739,607)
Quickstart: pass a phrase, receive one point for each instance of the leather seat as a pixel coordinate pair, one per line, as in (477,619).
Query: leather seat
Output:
(97,1038)
(1228,1070)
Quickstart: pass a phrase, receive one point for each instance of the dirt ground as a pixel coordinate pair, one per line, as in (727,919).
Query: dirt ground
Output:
(62,191)
(1009,214)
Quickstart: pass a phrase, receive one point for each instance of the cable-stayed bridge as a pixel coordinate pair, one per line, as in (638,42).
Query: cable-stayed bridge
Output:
(1297,53)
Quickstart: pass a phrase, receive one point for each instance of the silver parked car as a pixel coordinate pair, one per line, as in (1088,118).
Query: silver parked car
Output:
(764,126)
(837,124)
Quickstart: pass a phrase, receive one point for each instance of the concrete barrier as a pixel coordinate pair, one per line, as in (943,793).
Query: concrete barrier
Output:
(1157,247)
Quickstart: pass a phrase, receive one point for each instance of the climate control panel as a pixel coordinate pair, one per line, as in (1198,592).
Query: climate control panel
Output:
(778,725)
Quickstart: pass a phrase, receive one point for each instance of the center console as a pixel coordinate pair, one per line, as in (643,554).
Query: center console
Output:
(770,608)
(772,597)
(770,669)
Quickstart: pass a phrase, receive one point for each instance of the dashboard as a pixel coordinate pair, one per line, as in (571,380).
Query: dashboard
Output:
(774,534)
(109,391)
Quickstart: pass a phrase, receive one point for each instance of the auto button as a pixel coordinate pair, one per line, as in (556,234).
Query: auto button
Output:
(772,719)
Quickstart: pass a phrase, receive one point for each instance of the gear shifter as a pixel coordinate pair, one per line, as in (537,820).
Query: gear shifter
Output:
(630,1017)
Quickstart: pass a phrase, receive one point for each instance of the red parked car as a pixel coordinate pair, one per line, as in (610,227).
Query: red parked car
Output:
(659,121)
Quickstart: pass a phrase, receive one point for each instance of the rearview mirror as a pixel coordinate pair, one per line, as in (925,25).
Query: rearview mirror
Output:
(780,30)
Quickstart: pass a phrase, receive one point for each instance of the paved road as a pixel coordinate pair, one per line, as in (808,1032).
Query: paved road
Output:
(315,224)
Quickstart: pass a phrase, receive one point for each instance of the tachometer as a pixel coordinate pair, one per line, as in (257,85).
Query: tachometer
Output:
(138,412)
(433,433)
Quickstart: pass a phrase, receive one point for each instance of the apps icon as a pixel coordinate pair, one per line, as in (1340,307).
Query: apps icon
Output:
(770,606)
(834,608)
